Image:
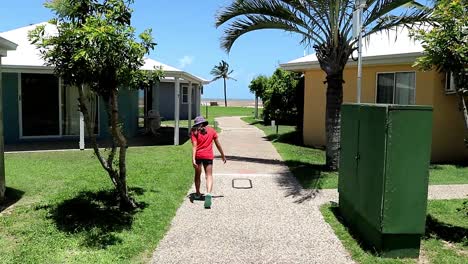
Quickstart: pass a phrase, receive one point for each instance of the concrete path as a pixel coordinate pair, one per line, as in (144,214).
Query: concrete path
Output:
(275,221)
(269,223)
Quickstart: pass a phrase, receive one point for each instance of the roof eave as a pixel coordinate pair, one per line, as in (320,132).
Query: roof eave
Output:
(390,59)
(5,44)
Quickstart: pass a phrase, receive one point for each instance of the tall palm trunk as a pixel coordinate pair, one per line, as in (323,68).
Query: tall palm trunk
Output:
(225,100)
(333,119)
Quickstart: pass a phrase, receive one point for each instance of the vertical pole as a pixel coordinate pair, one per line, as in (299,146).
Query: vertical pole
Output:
(176,110)
(82,128)
(256,107)
(2,155)
(199,100)
(82,143)
(189,117)
(359,75)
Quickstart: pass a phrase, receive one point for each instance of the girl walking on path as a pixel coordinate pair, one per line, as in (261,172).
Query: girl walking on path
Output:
(202,154)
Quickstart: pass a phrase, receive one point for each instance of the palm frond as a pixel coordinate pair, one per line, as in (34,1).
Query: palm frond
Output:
(388,22)
(216,78)
(251,23)
(385,7)
(249,15)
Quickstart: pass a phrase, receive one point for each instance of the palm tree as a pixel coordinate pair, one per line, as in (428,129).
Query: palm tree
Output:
(222,71)
(327,25)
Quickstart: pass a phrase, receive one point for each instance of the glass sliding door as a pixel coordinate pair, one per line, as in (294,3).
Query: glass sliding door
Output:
(71,111)
(40,109)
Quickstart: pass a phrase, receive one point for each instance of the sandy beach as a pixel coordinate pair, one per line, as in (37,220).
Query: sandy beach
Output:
(233,102)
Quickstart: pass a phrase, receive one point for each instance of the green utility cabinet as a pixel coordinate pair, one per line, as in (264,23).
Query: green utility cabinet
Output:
(383,176)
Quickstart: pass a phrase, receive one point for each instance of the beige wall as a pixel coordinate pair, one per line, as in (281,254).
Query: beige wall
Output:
(447,143)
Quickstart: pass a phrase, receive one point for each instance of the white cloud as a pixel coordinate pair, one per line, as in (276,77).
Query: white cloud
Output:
(185,61)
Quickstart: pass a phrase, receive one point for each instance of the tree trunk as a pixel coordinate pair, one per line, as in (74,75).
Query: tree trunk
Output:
(126,201)
(118,177)
(333,119)
(225,98)
(464,111)
(461,80)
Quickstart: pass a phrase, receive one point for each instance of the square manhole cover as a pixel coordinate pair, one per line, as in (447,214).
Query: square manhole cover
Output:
(242,184)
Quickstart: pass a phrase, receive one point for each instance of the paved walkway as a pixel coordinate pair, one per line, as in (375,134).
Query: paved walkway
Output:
(275,221)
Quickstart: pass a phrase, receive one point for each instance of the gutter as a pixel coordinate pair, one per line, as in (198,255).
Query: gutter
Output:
(388,59)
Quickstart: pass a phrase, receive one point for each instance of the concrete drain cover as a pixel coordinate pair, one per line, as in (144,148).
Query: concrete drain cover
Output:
(242,183)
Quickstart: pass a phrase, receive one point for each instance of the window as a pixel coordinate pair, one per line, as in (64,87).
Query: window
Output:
(396,88)
(185,94)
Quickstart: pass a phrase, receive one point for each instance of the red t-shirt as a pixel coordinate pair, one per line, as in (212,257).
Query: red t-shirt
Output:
(204,143)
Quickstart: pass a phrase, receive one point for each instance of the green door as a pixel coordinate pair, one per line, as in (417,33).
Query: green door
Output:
(408,155)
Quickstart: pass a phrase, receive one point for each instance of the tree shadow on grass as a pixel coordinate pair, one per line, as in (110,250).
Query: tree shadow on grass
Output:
(310,176)
(12,196)
(445,231)
(292,138)
(95,216)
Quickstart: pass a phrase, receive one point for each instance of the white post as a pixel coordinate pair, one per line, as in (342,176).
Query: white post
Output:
(176,110)
(256,106)
(82,143)
(360,5)
(2,155)
(359,73)
(189,117)
(82,128)
(197,95)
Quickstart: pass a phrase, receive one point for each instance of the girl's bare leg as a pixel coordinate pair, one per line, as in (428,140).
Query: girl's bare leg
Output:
(209,177)
(197,180)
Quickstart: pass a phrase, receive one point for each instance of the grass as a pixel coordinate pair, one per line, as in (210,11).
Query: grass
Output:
(66,212)
(445,240)
(308,164)
(213,112)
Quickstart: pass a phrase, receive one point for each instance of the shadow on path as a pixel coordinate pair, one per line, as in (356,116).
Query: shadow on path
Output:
(295,190)
(95,216)
(305,174)
(254,160)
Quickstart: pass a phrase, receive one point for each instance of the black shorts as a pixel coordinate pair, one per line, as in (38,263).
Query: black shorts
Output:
(205,162)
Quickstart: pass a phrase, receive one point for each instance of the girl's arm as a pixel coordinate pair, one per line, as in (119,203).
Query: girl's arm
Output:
(194,152)
(218,145)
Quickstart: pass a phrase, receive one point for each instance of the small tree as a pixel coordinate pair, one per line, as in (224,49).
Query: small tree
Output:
(95,47)
(258,86)
(280,97)
(446,47)
(222,71)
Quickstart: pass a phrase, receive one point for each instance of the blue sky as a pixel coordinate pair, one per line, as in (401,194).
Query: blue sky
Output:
(187,39)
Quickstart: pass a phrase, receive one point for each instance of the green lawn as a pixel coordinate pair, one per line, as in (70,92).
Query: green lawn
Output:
(445,240)
(308,164)
(66,213)
(215,111)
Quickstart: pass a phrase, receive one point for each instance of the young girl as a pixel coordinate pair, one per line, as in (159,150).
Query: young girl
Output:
(202,154)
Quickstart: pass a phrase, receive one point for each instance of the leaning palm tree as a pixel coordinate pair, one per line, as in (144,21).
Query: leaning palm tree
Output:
(327,26)
(222,71)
